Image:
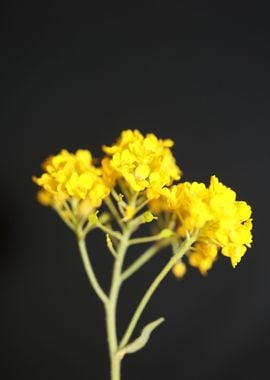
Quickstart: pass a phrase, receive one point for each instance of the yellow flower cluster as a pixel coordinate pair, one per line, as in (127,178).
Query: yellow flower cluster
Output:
(69,175)
(145,163)
(75,187)
(221,221)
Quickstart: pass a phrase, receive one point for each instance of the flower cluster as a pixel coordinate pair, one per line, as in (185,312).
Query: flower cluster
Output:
(74,176)
(220,220)
(135,185)
(145,163)
(144,169)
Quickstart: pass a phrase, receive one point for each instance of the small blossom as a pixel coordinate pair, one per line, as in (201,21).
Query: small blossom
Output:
(145,163)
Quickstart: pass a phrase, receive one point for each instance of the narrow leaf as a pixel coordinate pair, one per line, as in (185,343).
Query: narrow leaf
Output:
(141,341)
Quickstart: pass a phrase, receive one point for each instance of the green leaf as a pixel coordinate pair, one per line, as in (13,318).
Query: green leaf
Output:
(141,341)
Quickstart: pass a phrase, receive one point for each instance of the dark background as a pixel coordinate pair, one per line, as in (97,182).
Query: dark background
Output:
(75,77)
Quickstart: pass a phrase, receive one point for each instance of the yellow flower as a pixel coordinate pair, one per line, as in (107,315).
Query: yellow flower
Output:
(203,256)
(69,175)
(223,222)
(188,200)
(109,174)
(144,162)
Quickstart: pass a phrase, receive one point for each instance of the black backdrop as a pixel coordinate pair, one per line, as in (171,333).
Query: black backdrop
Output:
(75,77)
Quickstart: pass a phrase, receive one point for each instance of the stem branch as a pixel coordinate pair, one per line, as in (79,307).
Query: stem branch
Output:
(147,296)
(146,256)
(111,306)
(147,239)
(90,272)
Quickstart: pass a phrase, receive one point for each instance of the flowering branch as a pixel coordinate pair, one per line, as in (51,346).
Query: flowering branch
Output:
(137,181)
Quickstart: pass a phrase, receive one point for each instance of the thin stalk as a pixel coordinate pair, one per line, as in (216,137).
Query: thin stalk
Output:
(65,220)
(147,239)
(142,205)
(146,256)
(109,231)
(111,307)
(114,211)
(147,296)
(90,272)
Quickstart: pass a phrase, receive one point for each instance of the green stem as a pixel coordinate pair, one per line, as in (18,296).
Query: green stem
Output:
(114,211)
(147,296)
(142,205)
(111,306)
(146,256)
(123,189)
(109,231)
(147,239)
(65,220)
(89,271)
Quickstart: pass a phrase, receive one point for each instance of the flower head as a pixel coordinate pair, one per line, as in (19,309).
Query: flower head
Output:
(144,162)
(222,222)
(67,175)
